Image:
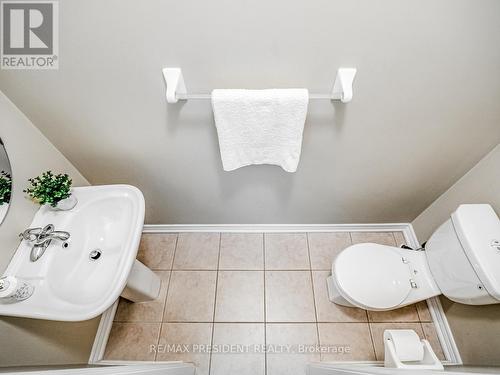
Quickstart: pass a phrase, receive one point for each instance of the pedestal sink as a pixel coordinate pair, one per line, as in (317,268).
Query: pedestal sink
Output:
(80,280)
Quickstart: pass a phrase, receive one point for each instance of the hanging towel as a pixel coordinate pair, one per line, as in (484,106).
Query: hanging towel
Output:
(260,126)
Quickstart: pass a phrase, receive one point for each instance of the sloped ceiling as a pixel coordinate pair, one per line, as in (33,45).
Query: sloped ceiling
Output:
(426,105)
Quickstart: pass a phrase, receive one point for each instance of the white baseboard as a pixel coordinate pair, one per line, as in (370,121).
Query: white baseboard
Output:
(267,228)
(102,335)
(445,335)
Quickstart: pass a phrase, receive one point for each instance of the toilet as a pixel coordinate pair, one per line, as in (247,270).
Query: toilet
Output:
(461,260)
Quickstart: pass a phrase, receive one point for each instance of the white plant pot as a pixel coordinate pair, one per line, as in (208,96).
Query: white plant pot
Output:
(67,204)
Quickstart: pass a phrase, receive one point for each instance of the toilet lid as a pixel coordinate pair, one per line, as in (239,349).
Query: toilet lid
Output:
(373,275)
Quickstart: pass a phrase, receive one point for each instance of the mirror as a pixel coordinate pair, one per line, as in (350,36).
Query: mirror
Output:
(5,182)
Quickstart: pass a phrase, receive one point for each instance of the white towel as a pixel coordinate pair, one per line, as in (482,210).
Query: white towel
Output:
(260,126)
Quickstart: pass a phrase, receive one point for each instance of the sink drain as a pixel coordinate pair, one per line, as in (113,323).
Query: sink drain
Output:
(95,254)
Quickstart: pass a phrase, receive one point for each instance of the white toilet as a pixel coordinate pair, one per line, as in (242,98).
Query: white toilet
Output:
(461,260)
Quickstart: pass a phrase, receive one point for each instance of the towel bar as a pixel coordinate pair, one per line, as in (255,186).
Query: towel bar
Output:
(176,88)
(209,96)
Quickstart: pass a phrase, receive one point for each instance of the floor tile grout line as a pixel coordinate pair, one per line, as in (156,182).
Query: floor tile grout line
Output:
(265,304)
(366,314)
(175,252)
(312,285)
(418,313)
(308,252)
(394,238)
(273,322)
(264,251)
(157,341)
(247,270)
(166,294)
(373,341)
(423,331)
(199,270)
(170,277)
(215,305)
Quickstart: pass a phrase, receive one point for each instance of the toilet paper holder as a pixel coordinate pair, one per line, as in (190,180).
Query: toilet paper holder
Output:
(405,350)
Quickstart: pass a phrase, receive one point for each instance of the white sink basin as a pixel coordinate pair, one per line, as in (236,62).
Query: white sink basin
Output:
(68,284)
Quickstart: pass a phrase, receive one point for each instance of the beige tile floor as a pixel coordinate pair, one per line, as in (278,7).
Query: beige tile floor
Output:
(238,292)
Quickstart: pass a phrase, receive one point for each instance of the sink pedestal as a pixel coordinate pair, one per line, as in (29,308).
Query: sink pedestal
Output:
(142,284)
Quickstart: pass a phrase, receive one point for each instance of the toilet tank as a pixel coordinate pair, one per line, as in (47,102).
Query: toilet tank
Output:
(464,255)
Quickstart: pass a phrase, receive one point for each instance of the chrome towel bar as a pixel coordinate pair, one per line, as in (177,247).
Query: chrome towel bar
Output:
(176,88)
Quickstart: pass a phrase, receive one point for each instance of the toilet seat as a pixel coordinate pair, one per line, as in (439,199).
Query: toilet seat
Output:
(372,276)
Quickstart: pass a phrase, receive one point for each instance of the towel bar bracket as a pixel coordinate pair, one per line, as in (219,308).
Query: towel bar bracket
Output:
(342,88)
(176,88)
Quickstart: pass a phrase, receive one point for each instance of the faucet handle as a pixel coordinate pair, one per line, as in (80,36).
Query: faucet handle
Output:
(30,234)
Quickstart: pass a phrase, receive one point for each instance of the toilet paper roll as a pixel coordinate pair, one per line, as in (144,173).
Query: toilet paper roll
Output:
(406,343)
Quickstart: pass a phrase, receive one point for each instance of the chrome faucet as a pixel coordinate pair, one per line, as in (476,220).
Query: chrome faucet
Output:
(41,238)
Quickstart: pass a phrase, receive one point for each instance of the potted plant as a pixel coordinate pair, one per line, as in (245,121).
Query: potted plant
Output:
(5,187)
(52,189)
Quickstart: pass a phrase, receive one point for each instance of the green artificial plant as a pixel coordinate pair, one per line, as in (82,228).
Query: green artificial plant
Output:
(5,187)
(49,188)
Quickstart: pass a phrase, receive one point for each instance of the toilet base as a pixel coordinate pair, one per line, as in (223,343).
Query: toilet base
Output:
(334,295)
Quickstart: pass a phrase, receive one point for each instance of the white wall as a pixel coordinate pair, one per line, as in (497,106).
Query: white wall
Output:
(425,106)
(476,328)
(479,185)
(30,341)
(30,153)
